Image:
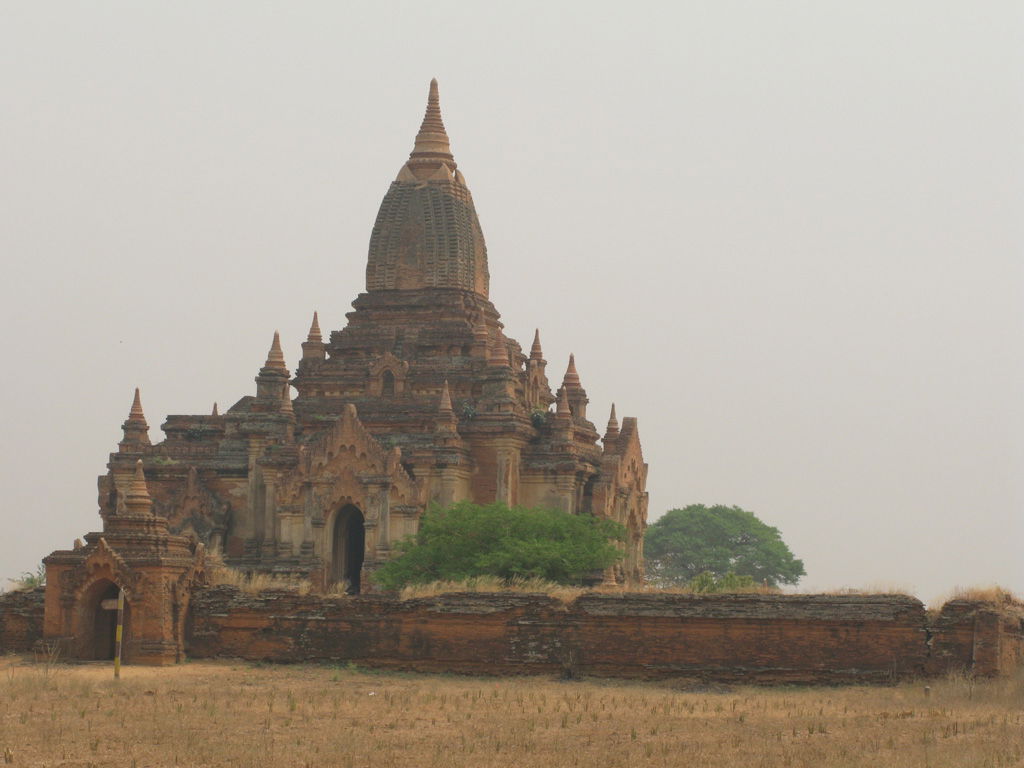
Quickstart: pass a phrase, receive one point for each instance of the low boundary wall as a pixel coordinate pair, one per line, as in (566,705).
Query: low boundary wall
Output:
(729,638)
(21,619)
(752,638)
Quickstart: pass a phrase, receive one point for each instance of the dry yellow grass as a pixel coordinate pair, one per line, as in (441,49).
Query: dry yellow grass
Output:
(253,583)
(221,714)
(566,594)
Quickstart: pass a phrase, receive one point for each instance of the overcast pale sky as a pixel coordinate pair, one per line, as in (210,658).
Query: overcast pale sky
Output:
(787,236)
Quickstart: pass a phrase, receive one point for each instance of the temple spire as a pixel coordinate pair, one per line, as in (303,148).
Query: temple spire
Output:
(275,358)
(314,330)
(572,378)
(563,412)
(135,429)
(137,500)
(535,351)
(313,348)
(136,414)
(612,430)
(215,412)
(444,407)
(432,148)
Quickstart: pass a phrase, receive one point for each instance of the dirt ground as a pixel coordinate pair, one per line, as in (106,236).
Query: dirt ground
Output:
(240,714)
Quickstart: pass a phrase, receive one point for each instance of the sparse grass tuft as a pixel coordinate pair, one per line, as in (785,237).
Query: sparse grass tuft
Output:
(253,583)
(565,593)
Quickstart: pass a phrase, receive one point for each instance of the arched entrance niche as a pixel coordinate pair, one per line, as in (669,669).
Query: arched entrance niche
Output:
(348,543)
(99,621)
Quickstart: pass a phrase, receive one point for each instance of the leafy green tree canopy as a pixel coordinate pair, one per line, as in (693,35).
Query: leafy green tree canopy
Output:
(685,543)
(466,540)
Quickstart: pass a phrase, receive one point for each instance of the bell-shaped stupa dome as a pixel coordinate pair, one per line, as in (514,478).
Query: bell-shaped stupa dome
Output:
(427,234)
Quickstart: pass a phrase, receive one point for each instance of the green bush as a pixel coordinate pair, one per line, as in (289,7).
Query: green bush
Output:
(466,540)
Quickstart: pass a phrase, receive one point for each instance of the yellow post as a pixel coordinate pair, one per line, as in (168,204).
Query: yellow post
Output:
(117,636)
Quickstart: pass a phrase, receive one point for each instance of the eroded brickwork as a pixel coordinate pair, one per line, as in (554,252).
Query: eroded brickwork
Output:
(738,638)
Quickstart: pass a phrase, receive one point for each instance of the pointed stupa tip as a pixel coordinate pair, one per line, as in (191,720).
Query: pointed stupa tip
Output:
(432,146)
(314,329)
(613,423)
(275,358)
(444,406)
(535,351)
(563,410)
(136,414)
(572,378)
(215,412)
(138,491)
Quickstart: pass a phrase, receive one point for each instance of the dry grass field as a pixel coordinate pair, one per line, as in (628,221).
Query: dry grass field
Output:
(235,714)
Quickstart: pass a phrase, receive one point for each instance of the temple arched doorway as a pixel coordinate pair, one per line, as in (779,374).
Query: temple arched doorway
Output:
(348,543)
(99,608)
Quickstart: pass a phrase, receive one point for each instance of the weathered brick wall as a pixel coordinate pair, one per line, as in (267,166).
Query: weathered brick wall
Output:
(21,619)
(781,638)
(979,637)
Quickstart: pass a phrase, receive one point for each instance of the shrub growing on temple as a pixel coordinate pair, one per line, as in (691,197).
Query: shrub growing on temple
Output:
(716,542)
(467,540)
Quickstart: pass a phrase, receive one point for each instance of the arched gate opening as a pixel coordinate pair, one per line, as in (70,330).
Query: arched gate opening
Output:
(348,543)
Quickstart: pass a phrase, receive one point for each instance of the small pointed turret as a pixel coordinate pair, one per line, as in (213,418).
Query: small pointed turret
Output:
(572,378)
(136,414)
(535,351)
(215,412)
(272,381)
(275,358)
(563,412)
(445,421)
(612,430)
(577,395)
(432,148)
(444,407)
(314,329)
(313,348)
(286,399)
(135,428)
(138,501)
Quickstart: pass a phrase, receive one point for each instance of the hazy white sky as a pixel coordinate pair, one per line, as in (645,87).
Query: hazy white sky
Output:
(787,236)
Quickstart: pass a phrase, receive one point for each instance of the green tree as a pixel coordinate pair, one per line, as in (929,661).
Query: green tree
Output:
(719,540)
(466,540)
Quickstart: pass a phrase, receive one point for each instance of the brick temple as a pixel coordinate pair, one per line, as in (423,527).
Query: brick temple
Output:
(421,398)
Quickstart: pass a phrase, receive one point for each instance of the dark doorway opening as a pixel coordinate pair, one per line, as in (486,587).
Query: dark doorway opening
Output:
(348,543)
(104,621)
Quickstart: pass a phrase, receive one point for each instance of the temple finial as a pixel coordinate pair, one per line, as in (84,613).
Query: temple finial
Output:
(535,351)
(138,500)
(444,407)
(275,358)
(314,330)
(572,378)
(432,147)
(563,410)
(135,429)
(612,431)
(136,414)
(215,412)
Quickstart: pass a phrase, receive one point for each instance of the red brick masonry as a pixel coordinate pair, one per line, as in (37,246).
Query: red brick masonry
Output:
(738,638)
